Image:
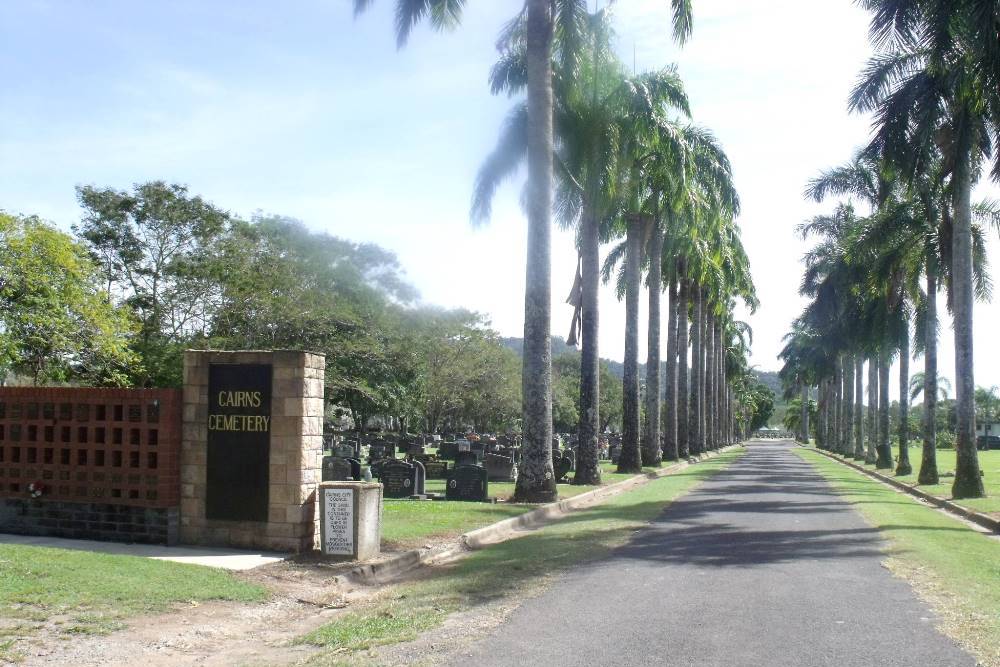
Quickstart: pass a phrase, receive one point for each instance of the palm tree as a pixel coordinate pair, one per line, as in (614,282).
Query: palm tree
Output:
(936,86)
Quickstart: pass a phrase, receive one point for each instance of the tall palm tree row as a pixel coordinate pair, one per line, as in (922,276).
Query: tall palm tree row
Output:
(538,26)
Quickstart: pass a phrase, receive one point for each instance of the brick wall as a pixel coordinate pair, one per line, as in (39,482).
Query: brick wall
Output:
(94,451)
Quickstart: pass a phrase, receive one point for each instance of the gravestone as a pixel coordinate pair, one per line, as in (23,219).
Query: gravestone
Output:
(355,468)
(402,480)
(448,451)
(466,459)
(337,469)
(500,468)
(436,469)
(467,483)
(615,452)
(381,450)
(561,466)
(345,450)
(571,455)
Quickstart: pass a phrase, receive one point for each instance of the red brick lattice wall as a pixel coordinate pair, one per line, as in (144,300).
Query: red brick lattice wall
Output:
(88,445)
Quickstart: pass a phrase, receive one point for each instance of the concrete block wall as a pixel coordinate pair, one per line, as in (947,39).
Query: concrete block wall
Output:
(296,452)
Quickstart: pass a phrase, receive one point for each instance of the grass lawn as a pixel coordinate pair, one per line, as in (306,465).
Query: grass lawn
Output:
(954,568)
(87,592)
(502,570)
(408,523)
(989,461)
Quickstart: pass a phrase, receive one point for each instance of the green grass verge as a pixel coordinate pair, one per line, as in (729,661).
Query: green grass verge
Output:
(502,570)
(82,592)
(956,569)
(989,461)
(408,523)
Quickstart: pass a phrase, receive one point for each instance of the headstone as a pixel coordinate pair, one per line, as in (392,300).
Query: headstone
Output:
(350,515)
(561,466)
(571,455)
(448,451)
(467,483)
(381,450)
(402,480)
(500,468)
(355,468)
(337,469)
(436,469)
(615,451)
(344,450)
(466,458)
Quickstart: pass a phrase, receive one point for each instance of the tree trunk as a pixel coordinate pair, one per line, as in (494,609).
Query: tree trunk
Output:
(709,379)
(838,406)
(683,376)
(630,460)
(859,407)
(694,419)
(903,466)
(588,470)
(870,453)
(928,461)
(968,481)
(884,453)
(536,482)
(651,454)
(847,444)
(804,414)
(670,414)
(821,414)
(720,383)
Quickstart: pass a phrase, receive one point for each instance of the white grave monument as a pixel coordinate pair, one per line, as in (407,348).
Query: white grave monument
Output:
(350,515)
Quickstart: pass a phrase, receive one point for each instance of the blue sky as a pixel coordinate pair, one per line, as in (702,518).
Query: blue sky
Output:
(297,108)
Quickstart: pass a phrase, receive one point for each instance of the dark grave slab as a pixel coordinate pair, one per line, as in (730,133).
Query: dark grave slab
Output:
(401,479)
(448,450)
(377,465)
(500,468)
(561,467)
(381,450)
(468,483)
(415,449)
(337,469)
(436,469)
(614,452)
(345,450)
(355,469)
(466,459)
(571,455)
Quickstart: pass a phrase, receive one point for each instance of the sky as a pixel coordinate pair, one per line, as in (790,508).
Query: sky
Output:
(300,109)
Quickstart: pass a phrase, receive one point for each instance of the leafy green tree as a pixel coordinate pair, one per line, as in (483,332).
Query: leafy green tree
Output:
(56,323)
(153,244)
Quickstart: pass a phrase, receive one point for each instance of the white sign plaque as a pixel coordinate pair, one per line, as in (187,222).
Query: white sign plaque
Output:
(338,522)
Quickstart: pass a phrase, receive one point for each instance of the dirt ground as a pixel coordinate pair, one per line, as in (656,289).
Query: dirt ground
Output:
(305,595)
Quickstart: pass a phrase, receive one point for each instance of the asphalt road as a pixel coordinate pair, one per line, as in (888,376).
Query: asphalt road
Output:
(761,565)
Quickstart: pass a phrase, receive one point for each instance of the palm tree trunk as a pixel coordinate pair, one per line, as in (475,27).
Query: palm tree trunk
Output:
(884,452)
(838,406)
(683,376)
(670,415)
(804,414)
(859,407)
(846,447)
(694,425)
(928,460)
(871,452)
(968,481)
(709,379)
(903,466)
(821,414)
(535,481)
(630,460)
(588,470)
(720,383)
(651,454)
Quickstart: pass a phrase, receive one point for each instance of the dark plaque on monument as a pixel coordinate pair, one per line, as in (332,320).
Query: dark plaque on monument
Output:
(467,483)
(466,459)
(239,442)
(448,450)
